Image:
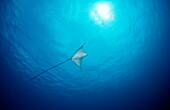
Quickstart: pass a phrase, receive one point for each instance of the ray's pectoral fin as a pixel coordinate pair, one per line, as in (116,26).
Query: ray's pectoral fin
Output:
(78,56)
(78,62)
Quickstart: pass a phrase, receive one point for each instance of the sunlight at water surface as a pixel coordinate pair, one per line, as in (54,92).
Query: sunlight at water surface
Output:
(102,12)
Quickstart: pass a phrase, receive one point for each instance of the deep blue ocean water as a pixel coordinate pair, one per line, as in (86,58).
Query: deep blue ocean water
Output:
(128,62)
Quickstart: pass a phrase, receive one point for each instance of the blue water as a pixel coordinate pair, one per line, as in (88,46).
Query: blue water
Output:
(128,62)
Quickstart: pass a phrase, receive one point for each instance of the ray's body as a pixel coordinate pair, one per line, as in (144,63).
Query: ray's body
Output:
(76,58)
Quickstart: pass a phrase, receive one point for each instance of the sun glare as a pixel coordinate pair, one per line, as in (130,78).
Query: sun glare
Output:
(102,12)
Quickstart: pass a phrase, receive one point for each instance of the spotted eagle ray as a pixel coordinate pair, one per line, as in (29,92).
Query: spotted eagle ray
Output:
(76,58)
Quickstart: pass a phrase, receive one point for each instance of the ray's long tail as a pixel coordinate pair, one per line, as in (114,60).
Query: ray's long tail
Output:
(50,69)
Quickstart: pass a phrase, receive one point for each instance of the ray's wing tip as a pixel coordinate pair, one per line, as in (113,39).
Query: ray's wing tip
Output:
(84,43)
